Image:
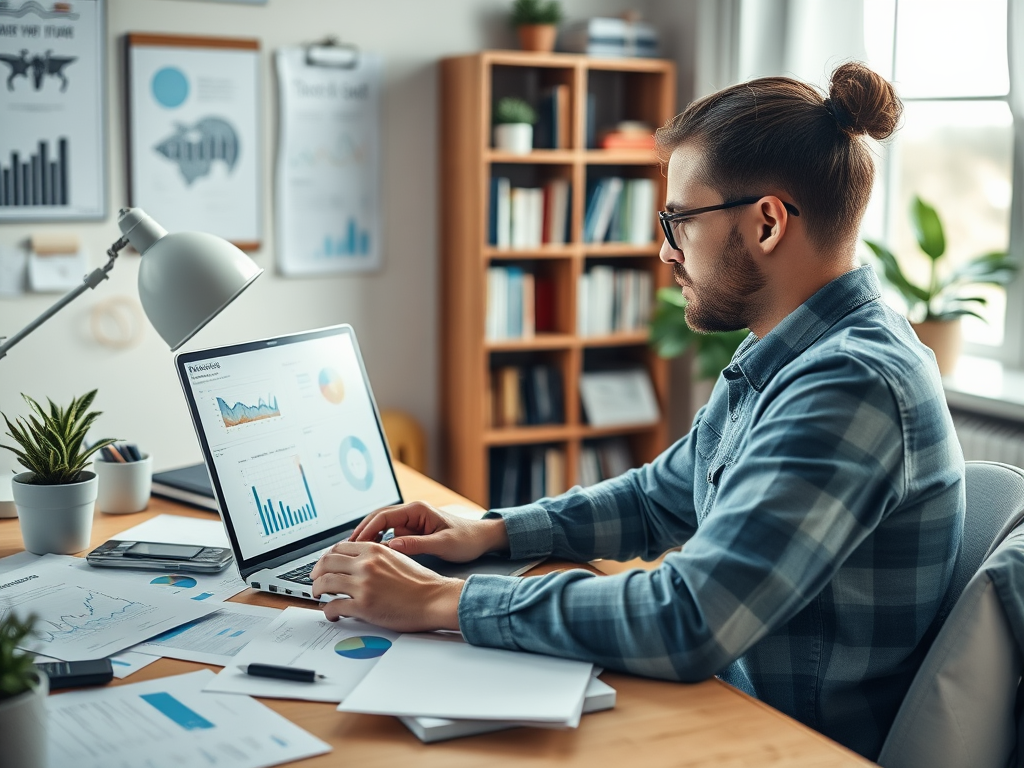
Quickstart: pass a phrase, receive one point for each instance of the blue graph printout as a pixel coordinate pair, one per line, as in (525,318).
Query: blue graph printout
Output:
(176,711)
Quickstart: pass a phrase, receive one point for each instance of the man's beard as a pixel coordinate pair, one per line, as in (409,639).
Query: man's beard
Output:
(726,304)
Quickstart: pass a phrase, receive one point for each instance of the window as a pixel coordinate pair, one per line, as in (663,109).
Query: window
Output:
(951,64)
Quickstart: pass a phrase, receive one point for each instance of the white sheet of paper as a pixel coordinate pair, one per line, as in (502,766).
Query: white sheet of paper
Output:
(169,723)
(178,529)
(19,559)
(129,662)
(443,676)
(81,615)
(57,272)
(301,637)
(211,587)
(213,639)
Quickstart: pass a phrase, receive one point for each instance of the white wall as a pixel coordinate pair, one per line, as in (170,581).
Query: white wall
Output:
(394,311)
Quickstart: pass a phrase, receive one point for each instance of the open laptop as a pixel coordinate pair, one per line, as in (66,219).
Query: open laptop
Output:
(292,439)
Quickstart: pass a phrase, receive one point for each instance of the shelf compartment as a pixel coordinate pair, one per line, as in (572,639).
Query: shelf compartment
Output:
(538,156)
(631,338)
(545,433)
(538,342)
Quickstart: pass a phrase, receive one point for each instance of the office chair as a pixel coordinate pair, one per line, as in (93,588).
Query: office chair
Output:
(406,438)
(959,710)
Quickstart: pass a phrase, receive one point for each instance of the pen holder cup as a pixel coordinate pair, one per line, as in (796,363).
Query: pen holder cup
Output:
(124,488)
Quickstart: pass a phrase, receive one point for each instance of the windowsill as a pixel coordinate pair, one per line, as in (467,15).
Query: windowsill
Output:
(986,386)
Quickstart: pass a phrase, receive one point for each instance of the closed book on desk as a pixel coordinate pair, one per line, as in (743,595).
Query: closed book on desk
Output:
(189,484)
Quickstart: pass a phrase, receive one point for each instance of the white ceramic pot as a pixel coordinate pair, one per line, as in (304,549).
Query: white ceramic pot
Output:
(516,138)
(23,727)
(124,487)
(55,519)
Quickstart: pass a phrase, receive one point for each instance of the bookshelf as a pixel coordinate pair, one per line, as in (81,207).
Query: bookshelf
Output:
(610,91)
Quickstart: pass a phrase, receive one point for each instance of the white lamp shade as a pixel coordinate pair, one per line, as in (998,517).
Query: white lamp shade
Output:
(186,278)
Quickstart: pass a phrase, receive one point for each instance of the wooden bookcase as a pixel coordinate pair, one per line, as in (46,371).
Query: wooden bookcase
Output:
(623,89)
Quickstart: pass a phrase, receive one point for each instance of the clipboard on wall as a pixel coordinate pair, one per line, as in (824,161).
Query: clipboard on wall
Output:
(327,185)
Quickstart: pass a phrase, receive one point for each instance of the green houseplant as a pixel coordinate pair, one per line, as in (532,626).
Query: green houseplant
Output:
(55,496)
(935,308)
(671,336)
(22,697)
(513,125)
(536,22)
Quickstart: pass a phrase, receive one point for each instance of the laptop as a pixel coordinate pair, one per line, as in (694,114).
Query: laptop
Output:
(293,443)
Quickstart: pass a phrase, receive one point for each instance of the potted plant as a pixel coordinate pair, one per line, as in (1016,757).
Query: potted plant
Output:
(55,497)
(23,690)
(936,308)
(513,126)
(536,22)
(671,336)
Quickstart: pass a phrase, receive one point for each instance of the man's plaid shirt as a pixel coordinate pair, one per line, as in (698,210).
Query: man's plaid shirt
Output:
(820,497)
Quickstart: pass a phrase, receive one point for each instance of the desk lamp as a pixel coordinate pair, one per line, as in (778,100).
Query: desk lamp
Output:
(185,279)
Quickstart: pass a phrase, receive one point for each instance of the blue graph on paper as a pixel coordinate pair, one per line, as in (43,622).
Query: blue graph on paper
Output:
(98,611)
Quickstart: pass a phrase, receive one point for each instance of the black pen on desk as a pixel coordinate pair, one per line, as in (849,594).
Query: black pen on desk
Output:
(277,672)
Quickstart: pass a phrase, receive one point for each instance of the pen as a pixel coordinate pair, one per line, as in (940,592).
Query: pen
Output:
(281,673)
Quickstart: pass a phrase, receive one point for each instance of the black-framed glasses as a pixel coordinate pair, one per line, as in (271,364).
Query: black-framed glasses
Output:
(667,218)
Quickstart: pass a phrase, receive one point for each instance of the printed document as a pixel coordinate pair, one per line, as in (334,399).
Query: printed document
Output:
(213,639)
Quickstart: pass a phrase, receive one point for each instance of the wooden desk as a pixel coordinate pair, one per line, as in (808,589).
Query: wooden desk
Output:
(653,724)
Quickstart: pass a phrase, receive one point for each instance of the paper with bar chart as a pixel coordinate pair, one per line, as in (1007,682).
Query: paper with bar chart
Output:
(328,165)
(294,441)
(52,145)
(344,651)
(213,639)
(81,615)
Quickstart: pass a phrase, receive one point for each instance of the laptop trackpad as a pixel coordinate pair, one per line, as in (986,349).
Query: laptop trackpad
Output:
(493,565)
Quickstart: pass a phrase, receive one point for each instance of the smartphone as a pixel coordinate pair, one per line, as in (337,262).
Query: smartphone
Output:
(153,556)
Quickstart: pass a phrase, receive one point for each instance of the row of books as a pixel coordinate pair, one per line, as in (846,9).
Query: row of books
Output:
(523,474)
(602,460)
(553,129)
(619,210)
(526,395)
(519,303)
(529,217)
(610,300)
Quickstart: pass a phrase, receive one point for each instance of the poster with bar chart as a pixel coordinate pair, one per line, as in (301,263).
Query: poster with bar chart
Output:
(327,184)
(52,109)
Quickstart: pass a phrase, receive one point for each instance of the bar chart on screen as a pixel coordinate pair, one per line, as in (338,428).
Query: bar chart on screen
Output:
(280,491)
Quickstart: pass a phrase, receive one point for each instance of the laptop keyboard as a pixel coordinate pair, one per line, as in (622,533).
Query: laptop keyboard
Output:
(299,575)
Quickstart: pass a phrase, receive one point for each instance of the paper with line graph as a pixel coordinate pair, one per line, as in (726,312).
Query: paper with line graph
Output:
(80,615)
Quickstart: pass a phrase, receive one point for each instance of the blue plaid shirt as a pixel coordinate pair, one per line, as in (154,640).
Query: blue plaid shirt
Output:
(820,497)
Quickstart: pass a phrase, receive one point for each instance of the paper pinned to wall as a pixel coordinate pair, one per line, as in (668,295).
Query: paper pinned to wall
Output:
(327,185)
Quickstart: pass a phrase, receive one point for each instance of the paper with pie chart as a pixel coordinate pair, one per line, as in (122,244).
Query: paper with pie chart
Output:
(345,651)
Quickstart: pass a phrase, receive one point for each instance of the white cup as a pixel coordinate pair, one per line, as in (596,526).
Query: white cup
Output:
(124,488)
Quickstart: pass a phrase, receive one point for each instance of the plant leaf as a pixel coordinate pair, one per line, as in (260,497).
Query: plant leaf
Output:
(927,228)
(895,277)
(951,314)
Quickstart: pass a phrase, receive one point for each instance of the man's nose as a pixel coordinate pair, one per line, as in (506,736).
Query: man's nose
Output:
(668,254)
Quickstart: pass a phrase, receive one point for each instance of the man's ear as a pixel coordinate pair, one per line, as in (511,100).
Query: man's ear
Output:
(770,221)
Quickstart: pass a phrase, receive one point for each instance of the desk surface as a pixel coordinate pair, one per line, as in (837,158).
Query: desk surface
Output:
(654,723)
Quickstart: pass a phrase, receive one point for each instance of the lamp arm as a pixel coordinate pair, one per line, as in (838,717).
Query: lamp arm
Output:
(91,280)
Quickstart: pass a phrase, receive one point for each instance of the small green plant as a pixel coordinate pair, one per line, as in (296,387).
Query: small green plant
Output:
(942,298)
(513,110)
(671,336)
(536,12)
(50,445)
(17,670)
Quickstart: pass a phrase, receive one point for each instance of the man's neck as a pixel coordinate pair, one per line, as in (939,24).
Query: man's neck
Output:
(788,291)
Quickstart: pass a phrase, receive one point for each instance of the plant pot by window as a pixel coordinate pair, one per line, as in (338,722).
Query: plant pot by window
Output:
(55,519)
(23,726)
(943,338)
(539,38)
(516,138)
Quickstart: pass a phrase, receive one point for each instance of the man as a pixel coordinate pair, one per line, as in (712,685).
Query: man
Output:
(819,494)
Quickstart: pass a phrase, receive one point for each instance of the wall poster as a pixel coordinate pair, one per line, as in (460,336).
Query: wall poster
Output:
(194,161)
(52,111)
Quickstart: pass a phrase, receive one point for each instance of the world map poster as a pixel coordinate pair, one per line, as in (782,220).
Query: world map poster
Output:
(194,134)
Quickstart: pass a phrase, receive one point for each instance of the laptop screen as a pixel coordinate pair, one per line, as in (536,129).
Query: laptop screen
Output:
(291,436)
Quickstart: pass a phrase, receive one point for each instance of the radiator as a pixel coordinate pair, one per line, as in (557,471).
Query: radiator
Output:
(989,439)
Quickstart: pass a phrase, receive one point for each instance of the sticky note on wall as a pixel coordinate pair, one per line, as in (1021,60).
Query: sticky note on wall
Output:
(55,262)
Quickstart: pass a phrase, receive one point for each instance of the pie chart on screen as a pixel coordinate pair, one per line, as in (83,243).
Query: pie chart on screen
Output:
(362,647)
(331,386)
(174,580)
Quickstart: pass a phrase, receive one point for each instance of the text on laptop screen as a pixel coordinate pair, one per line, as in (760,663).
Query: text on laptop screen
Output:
(294,439)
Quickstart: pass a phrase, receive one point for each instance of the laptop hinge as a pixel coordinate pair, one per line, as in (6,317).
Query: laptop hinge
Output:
(288,557)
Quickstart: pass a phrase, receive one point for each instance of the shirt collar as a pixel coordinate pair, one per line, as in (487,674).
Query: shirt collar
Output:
(759,360)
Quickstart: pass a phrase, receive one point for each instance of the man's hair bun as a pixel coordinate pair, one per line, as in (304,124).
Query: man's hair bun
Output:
(862,101)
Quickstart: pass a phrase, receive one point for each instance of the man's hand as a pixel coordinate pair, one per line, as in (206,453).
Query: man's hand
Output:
(420,529)
(386,588)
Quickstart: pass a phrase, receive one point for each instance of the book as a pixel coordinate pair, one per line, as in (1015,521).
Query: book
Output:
(544,304)
(189,484)
(554,472)
(503,213)
(616,398)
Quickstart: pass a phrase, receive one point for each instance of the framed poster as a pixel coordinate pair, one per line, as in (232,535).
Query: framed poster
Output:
(194,151)
(52,111)
(327,186)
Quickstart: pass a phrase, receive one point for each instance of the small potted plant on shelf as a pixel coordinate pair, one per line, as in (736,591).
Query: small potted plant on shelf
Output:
(513,126)
(672,337)
(23,690)
(55,497)
(936,308)
(536,22)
